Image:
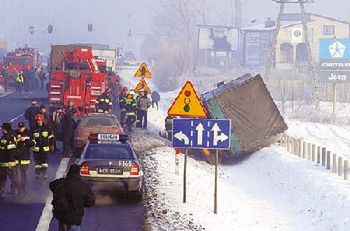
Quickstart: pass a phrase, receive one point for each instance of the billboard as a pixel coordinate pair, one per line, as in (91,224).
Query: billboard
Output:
(257,45)
(334,60)
(219,38)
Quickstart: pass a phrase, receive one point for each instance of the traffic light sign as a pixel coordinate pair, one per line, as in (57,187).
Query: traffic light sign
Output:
(49,28)
(90,27)
(31,29)
(187,103)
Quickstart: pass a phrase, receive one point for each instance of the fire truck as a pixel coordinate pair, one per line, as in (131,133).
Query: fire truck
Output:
(22,59)
(75,76)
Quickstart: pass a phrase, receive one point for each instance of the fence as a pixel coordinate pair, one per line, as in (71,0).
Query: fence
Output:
(317,154)
(300,89)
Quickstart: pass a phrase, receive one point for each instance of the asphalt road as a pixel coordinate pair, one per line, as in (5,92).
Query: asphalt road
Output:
(110,213)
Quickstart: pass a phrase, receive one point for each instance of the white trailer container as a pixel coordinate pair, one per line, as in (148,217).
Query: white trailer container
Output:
(106,54)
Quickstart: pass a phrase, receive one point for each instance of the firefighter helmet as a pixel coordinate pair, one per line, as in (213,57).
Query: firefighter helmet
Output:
(39,117)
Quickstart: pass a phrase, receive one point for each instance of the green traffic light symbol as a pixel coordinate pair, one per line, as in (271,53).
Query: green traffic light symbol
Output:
(187,101)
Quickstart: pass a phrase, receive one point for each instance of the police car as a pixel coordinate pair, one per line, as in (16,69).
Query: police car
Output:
(109,164)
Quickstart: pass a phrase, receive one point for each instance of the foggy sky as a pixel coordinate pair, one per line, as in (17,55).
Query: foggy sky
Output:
(113,18)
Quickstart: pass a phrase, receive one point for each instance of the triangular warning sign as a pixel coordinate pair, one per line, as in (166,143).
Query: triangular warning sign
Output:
(143,71)
(187,103)
(142,85)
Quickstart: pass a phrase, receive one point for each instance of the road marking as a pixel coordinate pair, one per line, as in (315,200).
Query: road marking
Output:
(46,215)
(6,94)
(17,117)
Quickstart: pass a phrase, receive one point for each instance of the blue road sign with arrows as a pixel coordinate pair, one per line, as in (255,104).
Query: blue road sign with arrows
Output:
(202,133)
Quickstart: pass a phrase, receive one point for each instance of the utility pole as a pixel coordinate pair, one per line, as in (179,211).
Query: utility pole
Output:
(238,13)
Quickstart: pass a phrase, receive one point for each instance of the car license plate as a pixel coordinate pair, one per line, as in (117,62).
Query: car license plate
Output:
(109,137)
(110,171)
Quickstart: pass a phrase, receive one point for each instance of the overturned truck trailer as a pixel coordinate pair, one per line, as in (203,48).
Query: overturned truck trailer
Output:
(255,118)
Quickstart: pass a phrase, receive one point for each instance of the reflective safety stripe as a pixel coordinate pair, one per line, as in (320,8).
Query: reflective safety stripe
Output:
(36,134)
(8,164)
(46,149)
(38,166)
(123,109)
(51,136)
(44,165)
(100,110)
(45,134)
(130,113)
(36,149)
(11,146)
(23,162)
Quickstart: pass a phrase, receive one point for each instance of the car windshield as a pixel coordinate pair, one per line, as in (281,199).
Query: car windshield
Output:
(92,121)
(109,151)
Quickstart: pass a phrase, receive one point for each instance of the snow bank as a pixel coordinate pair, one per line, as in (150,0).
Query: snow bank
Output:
(271,190)
(334,138)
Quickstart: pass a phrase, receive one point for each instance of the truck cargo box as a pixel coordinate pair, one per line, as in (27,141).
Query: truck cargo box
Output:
(56,55)
(254,116)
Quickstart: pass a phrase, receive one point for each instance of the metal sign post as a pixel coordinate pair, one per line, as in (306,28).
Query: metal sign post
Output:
(216,183)
(334,98)
(185,169)
(177,161)
(199,134)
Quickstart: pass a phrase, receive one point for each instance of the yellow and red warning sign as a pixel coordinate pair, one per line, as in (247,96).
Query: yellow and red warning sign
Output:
(143,71)
(142,85)
(187,103)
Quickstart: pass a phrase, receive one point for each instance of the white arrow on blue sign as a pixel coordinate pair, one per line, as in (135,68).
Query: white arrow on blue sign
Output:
(202,133)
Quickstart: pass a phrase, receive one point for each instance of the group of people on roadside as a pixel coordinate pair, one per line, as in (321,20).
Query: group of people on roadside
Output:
(134,107)
(25,80)
(15,145)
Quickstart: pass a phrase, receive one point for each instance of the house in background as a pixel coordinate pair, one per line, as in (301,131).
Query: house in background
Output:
(291,50)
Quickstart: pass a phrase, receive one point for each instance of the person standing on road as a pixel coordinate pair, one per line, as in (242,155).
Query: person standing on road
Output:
(42,78)
(19,82)
(23,156)
(43,143)
(143,105)
(30,114)
(47,121)
(122,109)
(8,160)
(130,111)
(104,102)
(155,99)
(70,196)
(69,125)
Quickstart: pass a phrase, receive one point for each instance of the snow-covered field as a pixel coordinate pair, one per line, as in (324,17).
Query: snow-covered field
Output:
(271,190)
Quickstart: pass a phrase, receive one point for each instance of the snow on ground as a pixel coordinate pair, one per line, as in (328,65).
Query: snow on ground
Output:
(2,90)
(271,190)
(334,138)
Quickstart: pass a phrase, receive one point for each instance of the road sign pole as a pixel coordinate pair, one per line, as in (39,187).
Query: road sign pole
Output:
(216,183)
(185,168)
(334,98)
(177,161)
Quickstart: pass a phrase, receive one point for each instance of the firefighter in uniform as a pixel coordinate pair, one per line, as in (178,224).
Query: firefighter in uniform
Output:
(23,156)
(122,109)
(42,138)
(7,160)
(19,82)
(130,107)
(104,102)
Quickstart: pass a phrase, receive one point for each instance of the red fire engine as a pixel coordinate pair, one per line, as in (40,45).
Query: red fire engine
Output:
(76,79)
(22,59)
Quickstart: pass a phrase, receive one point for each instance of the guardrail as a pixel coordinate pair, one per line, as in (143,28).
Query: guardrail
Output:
(317,154)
